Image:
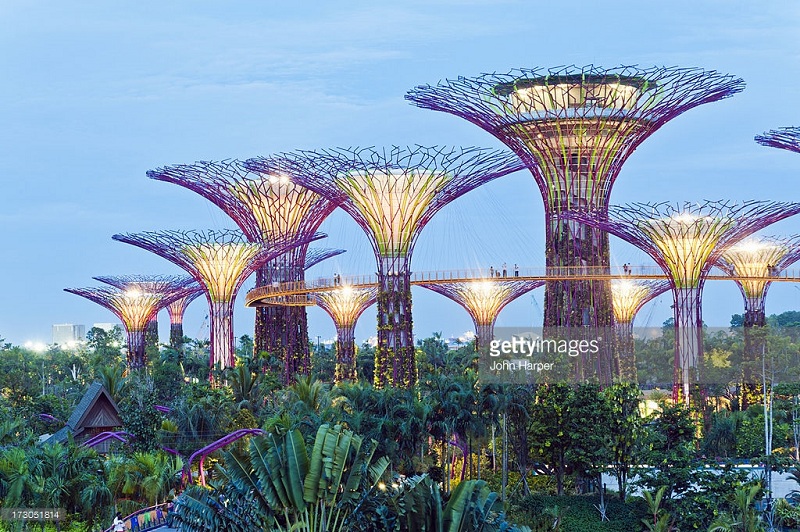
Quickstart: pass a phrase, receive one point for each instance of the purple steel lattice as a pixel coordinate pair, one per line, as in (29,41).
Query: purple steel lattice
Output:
(786,138)
(391,194)
(220,260)
(685,240)
(574,127)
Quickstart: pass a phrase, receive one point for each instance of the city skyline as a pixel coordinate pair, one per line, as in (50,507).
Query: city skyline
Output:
(96,95)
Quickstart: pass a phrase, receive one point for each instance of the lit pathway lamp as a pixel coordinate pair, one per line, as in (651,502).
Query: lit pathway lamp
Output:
(220,260)
(574,127)
(752,262)
(628,296)
(392,194)
(267,208)
(686,240)
(345,304)
(484,300)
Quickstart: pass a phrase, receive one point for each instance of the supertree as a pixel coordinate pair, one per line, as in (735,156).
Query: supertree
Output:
(286,325)
(267,207)
(134,306)
(686,240)
(628,296)
(220,260)
(176,309)
(181,287)
(574,127)
(751,263)
(483,300)
(345,304)
(785,138)
(392,194)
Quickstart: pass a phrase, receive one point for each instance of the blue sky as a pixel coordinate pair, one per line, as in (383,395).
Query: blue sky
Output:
(95,93)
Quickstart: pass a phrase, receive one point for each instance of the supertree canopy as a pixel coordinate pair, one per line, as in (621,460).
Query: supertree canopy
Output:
(134,306)
(483,300)
(220,261)
(628,296)
(686,240)
(176,310)
(267,207)
(392,194)
(785,138)
(344,305)
(179,286)
(752,262)
(574,127)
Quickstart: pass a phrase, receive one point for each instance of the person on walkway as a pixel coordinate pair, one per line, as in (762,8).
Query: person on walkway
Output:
(118,524)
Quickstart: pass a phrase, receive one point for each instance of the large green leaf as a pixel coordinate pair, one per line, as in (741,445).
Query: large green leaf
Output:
(296,468)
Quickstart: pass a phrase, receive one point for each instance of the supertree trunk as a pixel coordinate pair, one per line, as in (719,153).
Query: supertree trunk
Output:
(625,357)
(688,343)
(755,345)
(576,249)
(222,341)
(298,355)
(395,364)
(137,357)
(484,333)
(346,354)
(176,336)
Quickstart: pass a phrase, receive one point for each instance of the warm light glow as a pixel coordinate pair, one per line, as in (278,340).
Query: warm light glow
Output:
(753,257)
(279,206)
(392,203)
(628,296)
(345,304)
(221,265)
(686,242)
(36,347)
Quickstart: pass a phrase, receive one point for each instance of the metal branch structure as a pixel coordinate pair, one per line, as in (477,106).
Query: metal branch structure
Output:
(134,307)
(574,127)
(220,260)
(176,310)
(785,138)
(484,300)
(686,240)
(180,287)
(345,305)
(285,327)
(628,296)
(267,207)
(752,262)
(392,194)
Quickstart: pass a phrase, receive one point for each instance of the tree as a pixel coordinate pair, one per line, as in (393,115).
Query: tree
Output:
(624,428)
(550,429)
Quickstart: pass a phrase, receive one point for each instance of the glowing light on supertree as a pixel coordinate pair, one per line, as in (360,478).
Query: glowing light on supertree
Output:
(628,296)
(344,305)
(392,194)
(483,300)
(574,127)
(267,207)
(220,261)
(134,306)
(785,138)
(686,240)
(752,262)
(179,287)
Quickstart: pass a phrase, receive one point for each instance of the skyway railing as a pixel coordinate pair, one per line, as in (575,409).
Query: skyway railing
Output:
(293,292)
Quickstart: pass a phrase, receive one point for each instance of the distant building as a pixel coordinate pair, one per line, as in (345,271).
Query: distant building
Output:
(68,333)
